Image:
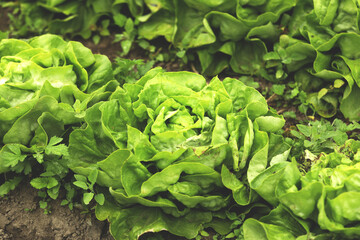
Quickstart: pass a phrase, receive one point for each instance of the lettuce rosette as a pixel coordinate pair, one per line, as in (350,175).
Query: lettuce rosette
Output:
(173,149)
(45,85)
(322,204)
(319,51)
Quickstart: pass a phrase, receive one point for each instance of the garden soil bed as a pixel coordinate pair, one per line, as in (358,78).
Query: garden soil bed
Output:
(21,218)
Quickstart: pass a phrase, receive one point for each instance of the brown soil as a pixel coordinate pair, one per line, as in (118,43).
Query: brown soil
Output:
(21,218)
(106,46)
(4,20)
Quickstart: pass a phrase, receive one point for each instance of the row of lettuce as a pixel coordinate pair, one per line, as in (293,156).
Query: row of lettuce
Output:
(311,42)
(168,152)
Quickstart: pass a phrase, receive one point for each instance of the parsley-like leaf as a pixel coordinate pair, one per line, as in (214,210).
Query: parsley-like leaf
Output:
(53,149)
(9,185)
(11,155)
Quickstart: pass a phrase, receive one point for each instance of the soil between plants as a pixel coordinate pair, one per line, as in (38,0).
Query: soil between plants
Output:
(21,218)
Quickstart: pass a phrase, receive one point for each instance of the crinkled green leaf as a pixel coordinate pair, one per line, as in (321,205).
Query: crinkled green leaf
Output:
(254,229)
(131,223)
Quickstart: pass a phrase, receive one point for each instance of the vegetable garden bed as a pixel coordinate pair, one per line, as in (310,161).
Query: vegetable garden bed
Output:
(133,149)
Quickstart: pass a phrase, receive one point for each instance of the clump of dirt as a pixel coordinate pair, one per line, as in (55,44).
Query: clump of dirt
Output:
(21,218)
(106,46)
(4,21)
